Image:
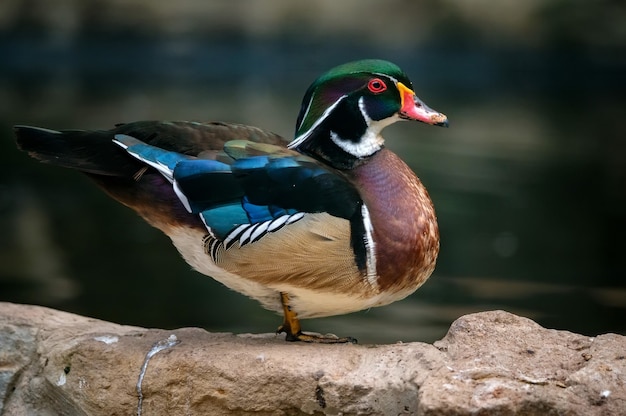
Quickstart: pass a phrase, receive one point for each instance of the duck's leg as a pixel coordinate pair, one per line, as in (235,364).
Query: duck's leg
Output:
(291,327)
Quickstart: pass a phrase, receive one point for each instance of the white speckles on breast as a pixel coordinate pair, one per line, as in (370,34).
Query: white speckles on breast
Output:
(404,221)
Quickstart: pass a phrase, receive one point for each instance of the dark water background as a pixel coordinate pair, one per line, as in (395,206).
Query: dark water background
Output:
(529,182)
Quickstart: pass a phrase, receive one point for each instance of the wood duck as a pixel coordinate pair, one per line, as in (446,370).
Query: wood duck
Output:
(330,223)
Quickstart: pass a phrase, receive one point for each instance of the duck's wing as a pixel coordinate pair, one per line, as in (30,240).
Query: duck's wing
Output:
(254,189)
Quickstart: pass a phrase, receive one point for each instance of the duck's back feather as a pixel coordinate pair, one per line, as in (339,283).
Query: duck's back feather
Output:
(93,151)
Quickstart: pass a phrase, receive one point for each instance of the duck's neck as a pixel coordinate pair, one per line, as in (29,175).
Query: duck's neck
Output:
(327,151)
(403,219)
(344,140)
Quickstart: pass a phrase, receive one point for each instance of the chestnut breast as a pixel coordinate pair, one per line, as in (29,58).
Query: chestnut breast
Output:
(403,219)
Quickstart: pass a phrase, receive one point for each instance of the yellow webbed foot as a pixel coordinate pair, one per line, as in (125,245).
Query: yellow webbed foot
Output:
(291,327)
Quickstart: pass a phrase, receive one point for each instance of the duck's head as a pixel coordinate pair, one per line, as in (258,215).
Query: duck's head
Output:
(345,109)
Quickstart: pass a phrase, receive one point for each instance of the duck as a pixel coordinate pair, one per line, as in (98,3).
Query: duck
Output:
(329,223)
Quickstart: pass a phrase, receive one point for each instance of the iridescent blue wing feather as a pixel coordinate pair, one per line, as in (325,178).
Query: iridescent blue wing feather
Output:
(258,189)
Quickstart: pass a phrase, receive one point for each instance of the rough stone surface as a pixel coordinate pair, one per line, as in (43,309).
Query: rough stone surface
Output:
(491,363)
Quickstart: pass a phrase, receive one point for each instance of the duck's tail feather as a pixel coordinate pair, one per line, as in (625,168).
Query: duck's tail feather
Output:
(87,151)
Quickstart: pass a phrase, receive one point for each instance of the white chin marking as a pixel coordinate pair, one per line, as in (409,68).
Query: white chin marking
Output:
(366,146)
(371,141)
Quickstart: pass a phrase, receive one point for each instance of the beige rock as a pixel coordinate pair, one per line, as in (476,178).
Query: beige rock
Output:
(56,363)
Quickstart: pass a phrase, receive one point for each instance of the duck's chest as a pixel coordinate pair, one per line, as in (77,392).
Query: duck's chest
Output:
(403,219)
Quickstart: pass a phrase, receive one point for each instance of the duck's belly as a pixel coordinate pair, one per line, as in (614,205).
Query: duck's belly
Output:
(343,297)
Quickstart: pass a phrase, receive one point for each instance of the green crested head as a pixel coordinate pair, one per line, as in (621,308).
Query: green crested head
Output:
(339,81)
(364,66)
(351,103)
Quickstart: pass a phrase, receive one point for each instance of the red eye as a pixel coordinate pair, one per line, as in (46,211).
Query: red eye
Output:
(376,86)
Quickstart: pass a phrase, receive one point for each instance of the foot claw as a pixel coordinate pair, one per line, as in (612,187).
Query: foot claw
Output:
(315,338)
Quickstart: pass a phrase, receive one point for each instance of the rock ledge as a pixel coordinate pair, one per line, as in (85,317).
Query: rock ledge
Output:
(54,363)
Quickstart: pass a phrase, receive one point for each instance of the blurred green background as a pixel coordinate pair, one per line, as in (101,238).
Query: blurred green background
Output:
(529,181)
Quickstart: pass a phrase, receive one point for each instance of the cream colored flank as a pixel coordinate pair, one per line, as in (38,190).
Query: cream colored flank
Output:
(311,260)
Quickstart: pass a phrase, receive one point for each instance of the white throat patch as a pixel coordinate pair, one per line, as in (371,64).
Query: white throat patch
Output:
(371,141)
(367,146)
